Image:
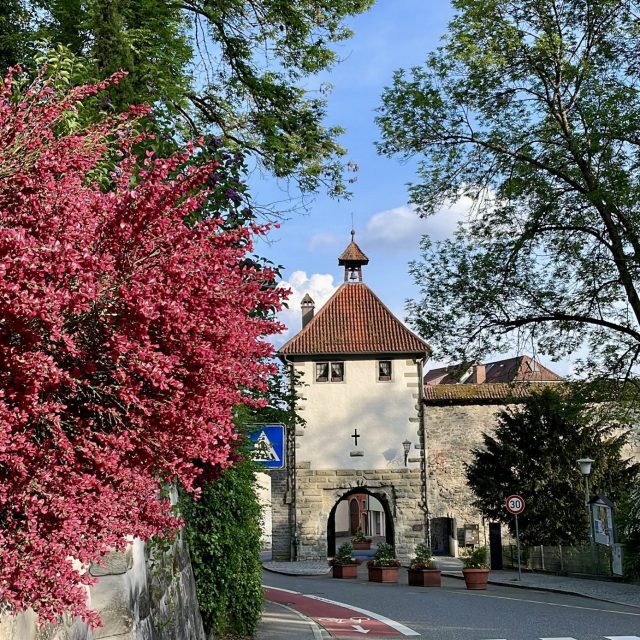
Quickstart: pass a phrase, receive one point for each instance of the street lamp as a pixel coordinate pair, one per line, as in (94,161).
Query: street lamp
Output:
(407,446)
(585,469)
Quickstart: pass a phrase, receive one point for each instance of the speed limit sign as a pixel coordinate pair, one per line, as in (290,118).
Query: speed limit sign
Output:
(515,504)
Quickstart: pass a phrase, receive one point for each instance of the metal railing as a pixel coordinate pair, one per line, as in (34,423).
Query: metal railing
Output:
(579,560)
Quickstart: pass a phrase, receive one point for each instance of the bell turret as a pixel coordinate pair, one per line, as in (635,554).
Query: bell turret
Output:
(352,259)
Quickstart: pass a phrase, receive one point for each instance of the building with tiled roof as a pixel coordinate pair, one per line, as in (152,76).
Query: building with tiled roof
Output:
(354,321)
(498,382)
(358,372)
(517,369)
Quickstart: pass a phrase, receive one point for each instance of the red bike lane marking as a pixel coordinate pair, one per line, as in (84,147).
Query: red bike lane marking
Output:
(339,619)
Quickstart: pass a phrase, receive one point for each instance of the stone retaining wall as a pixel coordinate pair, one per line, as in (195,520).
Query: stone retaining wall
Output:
(140,596)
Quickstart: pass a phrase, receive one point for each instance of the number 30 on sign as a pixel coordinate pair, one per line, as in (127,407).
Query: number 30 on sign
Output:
(515,504)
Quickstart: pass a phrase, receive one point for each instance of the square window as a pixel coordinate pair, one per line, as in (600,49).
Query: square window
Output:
(322,371)
(337,371)
(384,370)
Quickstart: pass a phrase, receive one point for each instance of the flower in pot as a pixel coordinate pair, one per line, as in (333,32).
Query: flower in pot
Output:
(360,541)
(423,571)
(383,567)
(344,565)
(476,568)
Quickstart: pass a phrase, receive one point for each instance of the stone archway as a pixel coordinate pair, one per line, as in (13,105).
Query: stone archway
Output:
(346,496)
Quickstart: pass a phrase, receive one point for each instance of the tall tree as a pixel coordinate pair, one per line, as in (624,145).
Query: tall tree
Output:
(533,453)
(531,108)
(236,69)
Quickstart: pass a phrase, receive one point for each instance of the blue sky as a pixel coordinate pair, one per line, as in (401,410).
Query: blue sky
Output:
(393,34)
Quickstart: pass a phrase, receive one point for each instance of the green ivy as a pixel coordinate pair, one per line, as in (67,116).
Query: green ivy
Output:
(223,532)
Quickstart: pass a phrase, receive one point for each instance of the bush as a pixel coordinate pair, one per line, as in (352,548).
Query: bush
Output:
(360,537)
(477,559)
(344,555)
(385,556)
(223,532)
(422,559)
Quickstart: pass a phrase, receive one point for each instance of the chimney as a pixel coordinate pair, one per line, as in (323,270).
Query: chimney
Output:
(479,375)
(308,305)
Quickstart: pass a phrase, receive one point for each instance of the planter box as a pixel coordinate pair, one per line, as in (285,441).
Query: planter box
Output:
(345,570)
(383,574)
(361,546)
(425,577)
(476,578)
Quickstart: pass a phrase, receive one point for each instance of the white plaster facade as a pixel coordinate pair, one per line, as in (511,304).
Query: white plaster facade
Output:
(383,412)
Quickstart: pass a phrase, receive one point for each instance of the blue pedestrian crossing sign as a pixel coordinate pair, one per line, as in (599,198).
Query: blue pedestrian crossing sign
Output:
(268,448)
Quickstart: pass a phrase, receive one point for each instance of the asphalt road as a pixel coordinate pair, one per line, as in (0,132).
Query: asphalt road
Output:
(453,613)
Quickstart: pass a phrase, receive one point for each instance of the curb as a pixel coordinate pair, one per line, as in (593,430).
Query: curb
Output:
(451,574)
(293,573)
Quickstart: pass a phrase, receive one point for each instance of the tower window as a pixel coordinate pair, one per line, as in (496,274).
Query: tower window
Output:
(329,371)
(384,370)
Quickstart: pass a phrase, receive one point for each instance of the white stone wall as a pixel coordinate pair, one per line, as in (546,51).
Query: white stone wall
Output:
(384,413)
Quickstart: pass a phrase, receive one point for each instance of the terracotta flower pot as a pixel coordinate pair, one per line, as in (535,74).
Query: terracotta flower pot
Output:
(345,570)
(383,574)
(425,577)
(361,546)
(476,578)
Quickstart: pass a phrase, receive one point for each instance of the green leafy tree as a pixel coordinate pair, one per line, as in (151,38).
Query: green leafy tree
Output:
(532,109)
(533,453)
(222,529)
(13,33)
(237,69)
(629,528)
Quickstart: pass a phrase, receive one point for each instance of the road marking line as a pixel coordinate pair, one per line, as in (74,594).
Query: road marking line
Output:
(266,586)
(553,604)
(405,631)
(623,637)
(558,638)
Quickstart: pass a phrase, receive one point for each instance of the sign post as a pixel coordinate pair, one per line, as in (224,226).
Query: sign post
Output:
(515,505)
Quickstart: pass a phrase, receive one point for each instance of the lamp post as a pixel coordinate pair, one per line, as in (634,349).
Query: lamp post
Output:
(585,469)
(407,446)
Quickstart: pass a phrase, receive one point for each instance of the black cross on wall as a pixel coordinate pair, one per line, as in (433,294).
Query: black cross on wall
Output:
(355,436)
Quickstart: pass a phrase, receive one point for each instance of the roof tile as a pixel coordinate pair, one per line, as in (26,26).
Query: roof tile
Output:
(354,320)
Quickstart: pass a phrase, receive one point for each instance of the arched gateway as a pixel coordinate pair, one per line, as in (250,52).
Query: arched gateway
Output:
(364,509)
(358,372)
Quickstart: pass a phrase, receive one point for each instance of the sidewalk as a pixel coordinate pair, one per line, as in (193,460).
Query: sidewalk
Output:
(280,622)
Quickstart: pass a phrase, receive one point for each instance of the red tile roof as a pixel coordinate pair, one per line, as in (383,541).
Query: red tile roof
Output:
(354,320)
(493,393)
(353,253)
(518,369)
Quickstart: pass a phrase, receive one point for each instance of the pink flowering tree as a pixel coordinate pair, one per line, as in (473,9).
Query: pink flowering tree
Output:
(126,339)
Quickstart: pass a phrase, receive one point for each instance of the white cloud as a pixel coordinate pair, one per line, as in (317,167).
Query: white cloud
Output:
(323,241)
(319,286)
(401,227)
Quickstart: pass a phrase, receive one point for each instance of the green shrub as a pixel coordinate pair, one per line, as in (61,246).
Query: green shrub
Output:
(422,559)
(223,532)
(344,555)
(385,556)
(477,559)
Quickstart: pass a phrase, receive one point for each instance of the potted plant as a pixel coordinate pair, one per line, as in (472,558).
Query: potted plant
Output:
(360,542)
(344,565)
(383,567)
(476,569)
(423,571)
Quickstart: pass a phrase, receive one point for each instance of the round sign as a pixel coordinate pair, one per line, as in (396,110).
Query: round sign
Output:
(515,504)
